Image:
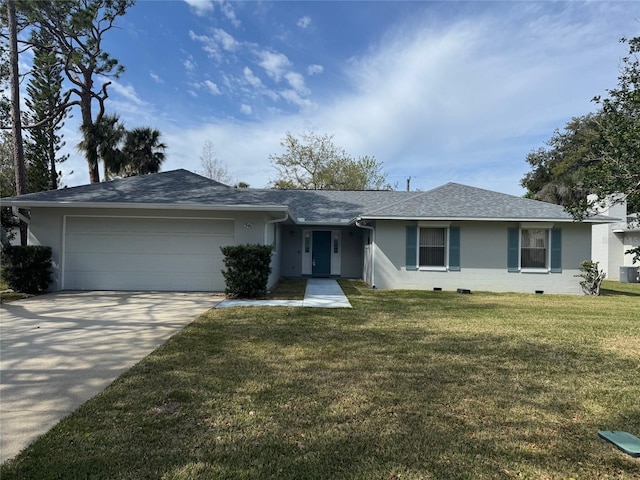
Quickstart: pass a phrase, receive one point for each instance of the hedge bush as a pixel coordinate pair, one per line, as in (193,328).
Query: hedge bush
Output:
(27,269)
(248,269)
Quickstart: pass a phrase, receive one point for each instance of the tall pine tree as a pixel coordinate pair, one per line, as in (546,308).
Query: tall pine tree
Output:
(44,100)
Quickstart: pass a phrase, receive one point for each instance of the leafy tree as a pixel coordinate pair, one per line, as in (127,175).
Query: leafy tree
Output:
(597,154)
(143,152)
(212,167)
(617,168)
(559,169)
(78,28)
(313,162)
(47,111)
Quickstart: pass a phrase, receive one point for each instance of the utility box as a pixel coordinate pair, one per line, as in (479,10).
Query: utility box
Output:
(629,275)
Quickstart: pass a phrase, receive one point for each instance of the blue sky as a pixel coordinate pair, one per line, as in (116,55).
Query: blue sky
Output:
(436,91)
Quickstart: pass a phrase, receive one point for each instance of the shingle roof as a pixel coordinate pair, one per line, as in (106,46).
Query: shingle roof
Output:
(180,187)
(456,201)
(176,187)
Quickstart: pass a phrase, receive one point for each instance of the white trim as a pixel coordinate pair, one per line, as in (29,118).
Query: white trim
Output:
(433,268)
(536,225)
(431,224)
(336,258)
(547,269)
(149,206)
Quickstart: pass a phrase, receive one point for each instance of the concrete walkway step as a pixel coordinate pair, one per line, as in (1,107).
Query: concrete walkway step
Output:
(320,293)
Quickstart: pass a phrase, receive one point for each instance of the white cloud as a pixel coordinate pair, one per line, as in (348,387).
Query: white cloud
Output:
(304,22)
(128,92)
(297,83)
(315,69)
(225,40)
(156,78)
(213,88)
(246,109)
(189,64)
(209,45)
(274,63)
(201,7)
(227,11)
(251,78)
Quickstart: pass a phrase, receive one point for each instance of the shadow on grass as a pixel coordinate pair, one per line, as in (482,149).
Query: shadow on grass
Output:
(311,394)
(605,292)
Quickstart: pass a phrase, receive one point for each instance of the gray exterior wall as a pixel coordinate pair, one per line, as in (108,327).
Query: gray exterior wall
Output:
(47,228)
(483,260)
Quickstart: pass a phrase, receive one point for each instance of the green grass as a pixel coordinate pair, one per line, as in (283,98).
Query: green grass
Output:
(288,289)
(406,385)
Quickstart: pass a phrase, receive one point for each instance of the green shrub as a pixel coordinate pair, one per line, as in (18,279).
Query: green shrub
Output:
(248,269)
(27,269)
(592,276)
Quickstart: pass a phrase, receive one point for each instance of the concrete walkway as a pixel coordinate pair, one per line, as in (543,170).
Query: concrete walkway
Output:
(59,350)
(320,293)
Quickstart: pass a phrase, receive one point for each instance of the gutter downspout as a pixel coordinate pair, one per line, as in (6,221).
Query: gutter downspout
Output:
(271,222)
(360,224)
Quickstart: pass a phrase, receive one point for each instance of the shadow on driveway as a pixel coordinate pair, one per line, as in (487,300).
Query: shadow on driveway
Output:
(59,350)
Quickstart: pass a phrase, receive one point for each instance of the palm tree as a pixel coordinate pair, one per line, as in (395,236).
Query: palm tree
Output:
(143,152)
(102,142)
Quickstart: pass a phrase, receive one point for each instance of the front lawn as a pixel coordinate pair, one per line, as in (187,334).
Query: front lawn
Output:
(406,385)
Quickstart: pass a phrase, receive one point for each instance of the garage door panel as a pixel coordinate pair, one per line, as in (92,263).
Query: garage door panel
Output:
(107,253)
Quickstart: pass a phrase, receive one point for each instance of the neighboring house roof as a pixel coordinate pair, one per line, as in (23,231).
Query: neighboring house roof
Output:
(180,189)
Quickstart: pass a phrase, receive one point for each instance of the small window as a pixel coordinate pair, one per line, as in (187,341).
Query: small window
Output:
(432,247)
(307,243)
(336,244)
(534,247)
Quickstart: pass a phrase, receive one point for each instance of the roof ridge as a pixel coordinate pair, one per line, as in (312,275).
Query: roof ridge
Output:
(389,205)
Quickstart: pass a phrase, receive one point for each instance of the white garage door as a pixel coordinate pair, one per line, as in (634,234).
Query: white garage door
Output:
(132,253)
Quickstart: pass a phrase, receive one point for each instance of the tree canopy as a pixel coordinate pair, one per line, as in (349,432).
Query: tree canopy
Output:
(596,154)
(77,29)
(314,162)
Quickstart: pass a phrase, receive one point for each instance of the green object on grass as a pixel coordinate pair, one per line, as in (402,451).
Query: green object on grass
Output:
(626,442)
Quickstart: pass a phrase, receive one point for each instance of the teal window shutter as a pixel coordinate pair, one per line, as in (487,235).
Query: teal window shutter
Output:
(556,250)
(412,248)
(454,249)
(513,242)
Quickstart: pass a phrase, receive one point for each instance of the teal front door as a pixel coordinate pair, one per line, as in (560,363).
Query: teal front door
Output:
(321,258)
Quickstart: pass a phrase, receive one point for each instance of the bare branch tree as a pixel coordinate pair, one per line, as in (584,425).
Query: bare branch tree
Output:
(212,167)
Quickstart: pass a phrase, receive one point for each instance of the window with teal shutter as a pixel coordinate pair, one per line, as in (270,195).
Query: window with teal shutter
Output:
(556,250)
(454,249)
(411,248)
(513,249)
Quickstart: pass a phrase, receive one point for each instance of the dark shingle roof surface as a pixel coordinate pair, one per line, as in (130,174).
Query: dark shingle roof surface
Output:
(180,187)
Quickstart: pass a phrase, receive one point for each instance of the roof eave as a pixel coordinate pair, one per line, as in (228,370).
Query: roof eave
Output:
(486,219)
(147,206)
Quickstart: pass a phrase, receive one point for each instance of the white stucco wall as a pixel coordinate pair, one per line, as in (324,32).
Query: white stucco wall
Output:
(483,259)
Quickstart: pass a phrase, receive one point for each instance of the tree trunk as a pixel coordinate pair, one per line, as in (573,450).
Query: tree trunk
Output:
(87,120)
(16,122)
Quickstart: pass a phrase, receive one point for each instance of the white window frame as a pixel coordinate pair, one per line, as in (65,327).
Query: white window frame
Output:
(547,233)
(433,268)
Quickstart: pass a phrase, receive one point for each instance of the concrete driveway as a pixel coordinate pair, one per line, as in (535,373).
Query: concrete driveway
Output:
(59,350)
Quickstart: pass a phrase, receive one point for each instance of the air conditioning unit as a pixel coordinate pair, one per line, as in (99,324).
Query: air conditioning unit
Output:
(629,275)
